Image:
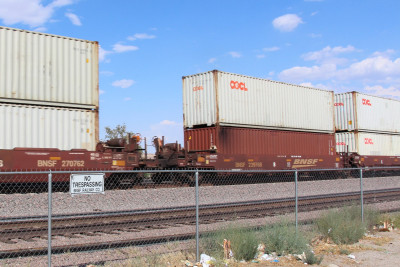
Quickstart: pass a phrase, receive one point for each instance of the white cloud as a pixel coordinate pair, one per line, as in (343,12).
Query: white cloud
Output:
(260,56)
(319,85)
(141,36)
(119,48)
(30,12)
(127,99)
(379,90)
(106,73)
(103,53)
(40,29)
(329,55)
(235,54)
(314,13)
(387,53)
(271,49)
(123,83)
(287,23)
(102,92)
(74,19)
(297,74)
(315,35)
(374,69)
(168,122)
(212,60)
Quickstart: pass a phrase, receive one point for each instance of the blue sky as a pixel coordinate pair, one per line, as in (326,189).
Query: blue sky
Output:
(147,46)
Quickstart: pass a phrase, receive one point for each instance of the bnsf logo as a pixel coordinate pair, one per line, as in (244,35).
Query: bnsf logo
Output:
(198,88)
(368,141)
(340,143)
(366,102)
(338,104)
(305,161)
(238,85)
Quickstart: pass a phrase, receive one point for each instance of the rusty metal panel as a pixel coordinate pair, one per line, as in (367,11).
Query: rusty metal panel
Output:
(249,141)
(221,98)
(356,111)
(48,69)
(47,127)
(368,144)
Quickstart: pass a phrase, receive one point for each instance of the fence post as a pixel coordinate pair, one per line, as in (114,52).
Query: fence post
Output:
(49,220)
(197,216)
(361,194)
(296,197)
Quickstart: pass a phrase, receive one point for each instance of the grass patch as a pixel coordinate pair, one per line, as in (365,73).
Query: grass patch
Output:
(283,239)
(344,226)
(396,220)
(244,243)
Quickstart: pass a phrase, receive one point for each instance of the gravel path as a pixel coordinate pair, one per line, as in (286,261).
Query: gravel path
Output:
(36,204)
(117,200)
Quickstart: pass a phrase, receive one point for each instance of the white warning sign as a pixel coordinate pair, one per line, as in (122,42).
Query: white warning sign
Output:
(88,183)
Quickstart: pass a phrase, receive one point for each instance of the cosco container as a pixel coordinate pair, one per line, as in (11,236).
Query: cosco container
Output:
(261,142)
(49,69)
(221,98)
(356,111)
(368,144)
(47,127)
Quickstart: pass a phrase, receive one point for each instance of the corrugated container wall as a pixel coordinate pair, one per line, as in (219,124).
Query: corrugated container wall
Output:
(368,144)
(49,69)
(228,99)
(47,127)
(262,142)
(356,111)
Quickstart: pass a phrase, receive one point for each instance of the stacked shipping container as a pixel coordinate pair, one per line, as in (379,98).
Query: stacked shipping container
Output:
(49,93)
(367,125)
(270,123)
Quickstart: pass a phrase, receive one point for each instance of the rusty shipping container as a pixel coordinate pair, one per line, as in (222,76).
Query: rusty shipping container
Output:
(368,144)
(236,147)
(226,99)
(361,112)
(48,127)
(44,69)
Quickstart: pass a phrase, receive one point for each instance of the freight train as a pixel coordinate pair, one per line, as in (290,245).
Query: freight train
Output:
(256,150)
(235,122)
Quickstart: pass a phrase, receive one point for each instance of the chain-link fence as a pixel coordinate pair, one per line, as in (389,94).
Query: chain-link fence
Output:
(144,214)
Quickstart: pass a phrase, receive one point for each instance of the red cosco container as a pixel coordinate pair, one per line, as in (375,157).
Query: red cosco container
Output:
(270,149)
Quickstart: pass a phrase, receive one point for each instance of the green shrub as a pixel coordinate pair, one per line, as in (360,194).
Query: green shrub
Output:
(344,226)
(282,238)
(243,243)
(396,221)
(311,258)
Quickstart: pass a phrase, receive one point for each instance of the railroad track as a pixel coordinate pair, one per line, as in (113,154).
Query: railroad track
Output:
(30,228)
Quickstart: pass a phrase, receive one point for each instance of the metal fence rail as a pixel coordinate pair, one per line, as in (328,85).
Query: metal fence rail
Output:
(40,218)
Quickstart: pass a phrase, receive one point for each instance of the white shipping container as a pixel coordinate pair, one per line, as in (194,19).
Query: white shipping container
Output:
(368,144)
(47,127)
(228,99)
(54,70)
(357,111)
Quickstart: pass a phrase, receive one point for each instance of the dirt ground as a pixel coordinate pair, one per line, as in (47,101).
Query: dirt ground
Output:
(375,250)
